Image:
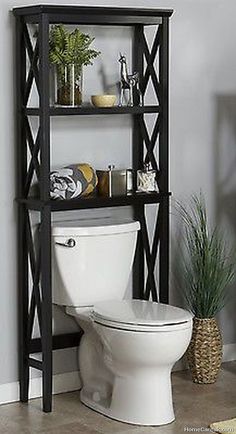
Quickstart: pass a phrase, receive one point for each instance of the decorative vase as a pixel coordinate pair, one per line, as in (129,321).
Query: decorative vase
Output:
(204,353)
(68,85)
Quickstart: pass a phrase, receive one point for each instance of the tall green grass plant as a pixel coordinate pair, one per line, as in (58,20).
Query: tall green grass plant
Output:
(207,267)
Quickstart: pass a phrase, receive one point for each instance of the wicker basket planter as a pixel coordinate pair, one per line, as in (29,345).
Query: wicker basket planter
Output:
(204,353)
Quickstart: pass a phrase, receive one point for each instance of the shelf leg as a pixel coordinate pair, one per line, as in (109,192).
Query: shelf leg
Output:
(138,267)
(22,237)
(164,253)
(45,239)
(46,308)
(23,305)
(137,160)
(164,161)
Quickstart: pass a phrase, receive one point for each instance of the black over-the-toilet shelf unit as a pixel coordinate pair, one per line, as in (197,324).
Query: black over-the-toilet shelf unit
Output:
(32,64)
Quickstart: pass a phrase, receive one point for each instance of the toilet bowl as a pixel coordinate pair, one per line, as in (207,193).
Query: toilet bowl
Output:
(129,346)
(126,356)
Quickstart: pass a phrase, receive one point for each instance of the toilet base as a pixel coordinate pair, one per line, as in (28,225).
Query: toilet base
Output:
(107,407)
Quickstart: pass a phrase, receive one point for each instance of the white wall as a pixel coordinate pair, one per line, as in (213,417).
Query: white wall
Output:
(202,137)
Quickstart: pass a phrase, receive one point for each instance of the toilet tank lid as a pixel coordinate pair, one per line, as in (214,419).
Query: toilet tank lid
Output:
(140,312)
(96,226)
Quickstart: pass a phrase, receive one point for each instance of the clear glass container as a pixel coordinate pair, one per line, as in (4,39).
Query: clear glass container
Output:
(146,179)
(68,85)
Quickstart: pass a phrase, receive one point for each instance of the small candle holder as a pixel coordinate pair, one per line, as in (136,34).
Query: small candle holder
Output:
(146,180)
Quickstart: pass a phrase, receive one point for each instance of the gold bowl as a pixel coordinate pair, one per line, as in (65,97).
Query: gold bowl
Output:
(103,100)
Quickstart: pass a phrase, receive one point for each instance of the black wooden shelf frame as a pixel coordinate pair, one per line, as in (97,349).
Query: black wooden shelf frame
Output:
(34,259)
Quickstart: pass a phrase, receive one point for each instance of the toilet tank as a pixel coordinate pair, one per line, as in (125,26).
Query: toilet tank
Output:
(92,260)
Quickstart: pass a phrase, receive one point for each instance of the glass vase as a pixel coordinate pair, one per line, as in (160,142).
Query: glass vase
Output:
(68,85)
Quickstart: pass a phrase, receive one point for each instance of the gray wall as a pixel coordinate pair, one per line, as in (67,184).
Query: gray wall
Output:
(202,137)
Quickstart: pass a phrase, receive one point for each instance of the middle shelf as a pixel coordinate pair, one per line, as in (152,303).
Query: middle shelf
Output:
(94,201)
(90,110)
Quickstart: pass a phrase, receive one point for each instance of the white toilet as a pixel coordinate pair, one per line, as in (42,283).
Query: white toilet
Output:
(129,346)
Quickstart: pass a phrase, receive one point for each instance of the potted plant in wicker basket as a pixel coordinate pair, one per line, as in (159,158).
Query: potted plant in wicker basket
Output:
(207,271)
(69,52)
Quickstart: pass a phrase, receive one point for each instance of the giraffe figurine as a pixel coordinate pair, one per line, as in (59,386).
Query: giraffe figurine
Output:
(128,82)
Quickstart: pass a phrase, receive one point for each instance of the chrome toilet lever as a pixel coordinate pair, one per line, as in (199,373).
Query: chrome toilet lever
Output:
(68,243)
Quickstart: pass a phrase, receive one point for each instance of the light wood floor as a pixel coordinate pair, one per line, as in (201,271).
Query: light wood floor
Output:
(195,406)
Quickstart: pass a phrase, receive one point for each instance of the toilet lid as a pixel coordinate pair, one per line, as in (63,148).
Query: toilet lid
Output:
(140,313)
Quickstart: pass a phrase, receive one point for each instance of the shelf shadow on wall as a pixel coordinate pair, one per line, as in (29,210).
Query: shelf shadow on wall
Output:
(224,151)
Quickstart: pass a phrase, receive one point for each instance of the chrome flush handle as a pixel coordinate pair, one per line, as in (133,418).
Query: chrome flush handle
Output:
(68,243)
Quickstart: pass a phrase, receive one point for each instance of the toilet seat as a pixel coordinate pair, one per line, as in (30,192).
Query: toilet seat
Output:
(140,315)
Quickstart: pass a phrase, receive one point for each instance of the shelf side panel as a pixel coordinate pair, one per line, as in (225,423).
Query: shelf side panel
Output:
(164,162)
(138,267)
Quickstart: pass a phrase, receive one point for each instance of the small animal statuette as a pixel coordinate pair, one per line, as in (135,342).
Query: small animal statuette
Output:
(128,82)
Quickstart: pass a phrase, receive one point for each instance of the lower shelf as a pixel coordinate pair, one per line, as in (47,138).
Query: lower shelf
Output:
(59,342)
(94,201)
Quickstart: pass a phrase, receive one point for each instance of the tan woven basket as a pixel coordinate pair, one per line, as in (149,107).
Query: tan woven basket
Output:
(204,353)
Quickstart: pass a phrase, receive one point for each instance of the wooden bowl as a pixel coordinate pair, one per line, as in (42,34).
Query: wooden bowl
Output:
(103,100)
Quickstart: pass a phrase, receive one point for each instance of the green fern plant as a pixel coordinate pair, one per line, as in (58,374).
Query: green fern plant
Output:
(67,48)
(206,267)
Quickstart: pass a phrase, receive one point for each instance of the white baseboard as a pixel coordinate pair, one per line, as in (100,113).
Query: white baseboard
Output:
(229,352)
(62,383)
(70,381)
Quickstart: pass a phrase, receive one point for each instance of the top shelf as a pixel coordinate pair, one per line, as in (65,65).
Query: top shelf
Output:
(93,15)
